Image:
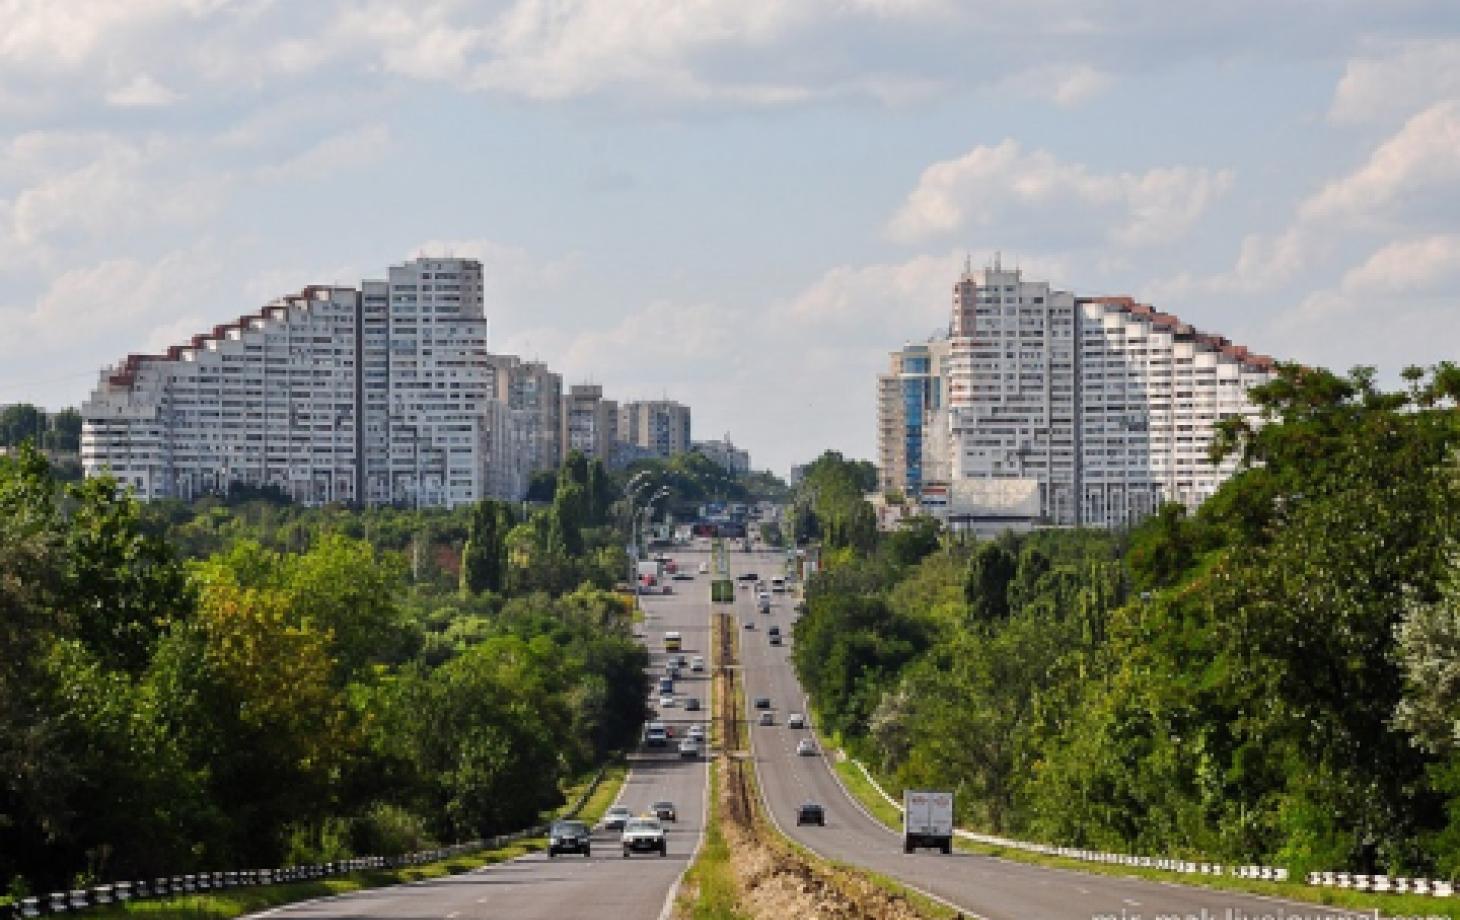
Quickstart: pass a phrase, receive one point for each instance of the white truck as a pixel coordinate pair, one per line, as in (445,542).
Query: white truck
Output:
(651,574)
(927,820)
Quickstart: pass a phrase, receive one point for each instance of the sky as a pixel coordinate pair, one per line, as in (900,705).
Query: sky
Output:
(743,205)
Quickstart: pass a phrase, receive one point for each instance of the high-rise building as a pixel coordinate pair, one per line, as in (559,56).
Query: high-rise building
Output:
(589,422)
(381,395)
(909,397)
(1057,409)
(534,394)
(661,427)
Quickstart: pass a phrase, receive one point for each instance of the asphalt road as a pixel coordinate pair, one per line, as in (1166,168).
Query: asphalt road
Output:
(988,887)
(570,886)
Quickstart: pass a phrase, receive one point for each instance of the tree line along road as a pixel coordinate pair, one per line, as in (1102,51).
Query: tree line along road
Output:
(983,886)
(536,887)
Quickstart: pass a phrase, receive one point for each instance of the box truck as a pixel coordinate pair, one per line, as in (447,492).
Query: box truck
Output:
(927,820)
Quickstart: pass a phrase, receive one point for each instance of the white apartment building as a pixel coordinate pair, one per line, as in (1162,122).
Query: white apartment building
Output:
(382,395)
(660,427)
(1059,410)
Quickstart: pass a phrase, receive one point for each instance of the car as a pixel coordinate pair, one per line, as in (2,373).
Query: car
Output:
(667,702)
(656,735)
(683,576)
(762,702)
(775,639)
(643,835)
(689,748)
(664,811)
(795,720)
(681,661)
(697,663)
(806,748)
(748,576)
(767,718)
(750,624)
(697,732)
(704,568)
(810,813)
(616,817)
(671,670)
(666,685)
(692,704)
(744,586)
(569,837)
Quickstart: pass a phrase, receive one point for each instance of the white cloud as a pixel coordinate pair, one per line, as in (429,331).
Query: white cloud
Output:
(142,92)
(1426,264)
(349,149)
(1003,187)
(1405,171)
(94,307)
(1394,85)
(1065,85)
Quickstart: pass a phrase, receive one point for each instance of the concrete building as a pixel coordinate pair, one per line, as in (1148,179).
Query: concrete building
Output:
(910,397)
(725,453)
(589,422)
(533,394)
(1057,409)
(659,426)
(381,395)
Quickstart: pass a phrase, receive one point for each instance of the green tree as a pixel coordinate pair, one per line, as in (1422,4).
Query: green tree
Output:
(484,557)
(989,575)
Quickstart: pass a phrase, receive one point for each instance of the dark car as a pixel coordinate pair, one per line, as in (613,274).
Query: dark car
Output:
(762,702)
(569,837)
(810,813)
(664,811)
(692,703)
(747,576)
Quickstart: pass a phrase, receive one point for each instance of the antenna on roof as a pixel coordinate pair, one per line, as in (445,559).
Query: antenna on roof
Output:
(998,261)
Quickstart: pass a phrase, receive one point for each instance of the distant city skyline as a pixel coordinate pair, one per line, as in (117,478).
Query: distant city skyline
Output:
(742,204)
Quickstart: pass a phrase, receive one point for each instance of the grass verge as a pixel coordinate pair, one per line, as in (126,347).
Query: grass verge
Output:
(1417,906)
(709,890)
(224,905)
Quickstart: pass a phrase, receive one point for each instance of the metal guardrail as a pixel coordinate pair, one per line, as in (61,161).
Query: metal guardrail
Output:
(1379,884)
(81,899)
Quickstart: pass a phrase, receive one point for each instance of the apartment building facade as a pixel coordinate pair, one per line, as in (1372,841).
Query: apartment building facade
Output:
(383,394)
(659,427)
(589,422)
(1059,410)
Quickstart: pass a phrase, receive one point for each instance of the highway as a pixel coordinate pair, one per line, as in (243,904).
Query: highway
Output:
(992,888)
(604,884)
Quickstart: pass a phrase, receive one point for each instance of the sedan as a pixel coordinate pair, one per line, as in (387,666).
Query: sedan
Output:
(697,732)
(767,718)
(667,702)
(806,747)
(689,749)
(643,835)
(762,702)
(795,720)
(810,813)
(616,817)
(692,703)
(748,576)
(683,576)
(664,811)
(569,837)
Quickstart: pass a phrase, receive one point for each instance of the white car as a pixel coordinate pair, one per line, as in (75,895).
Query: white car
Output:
(806,747)
(697,732)
(704,568)
(643,835)
(667,702)
(697,663)
(795,720)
